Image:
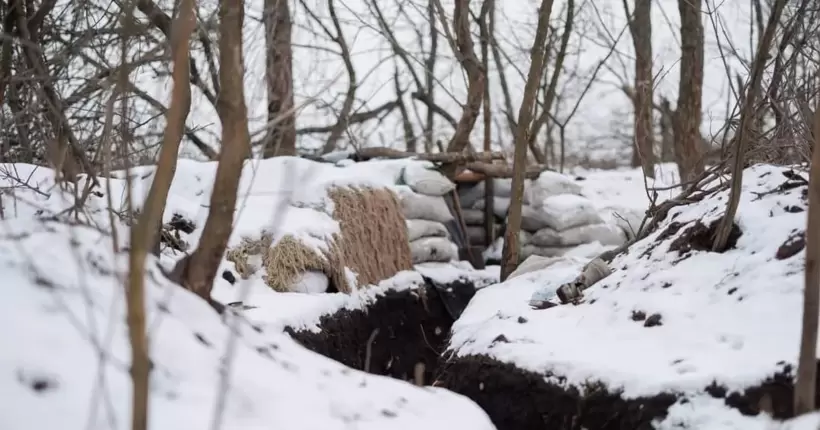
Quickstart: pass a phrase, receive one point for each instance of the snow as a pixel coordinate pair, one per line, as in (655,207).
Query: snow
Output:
(66,352)
(732,318)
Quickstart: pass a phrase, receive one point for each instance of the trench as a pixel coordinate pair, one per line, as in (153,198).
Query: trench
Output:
(404,335)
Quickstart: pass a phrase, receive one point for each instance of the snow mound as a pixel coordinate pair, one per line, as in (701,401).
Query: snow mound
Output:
(66,351)
(673,317)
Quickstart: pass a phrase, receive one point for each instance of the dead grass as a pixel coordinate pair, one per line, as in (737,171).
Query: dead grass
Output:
(372,243)
(374,240)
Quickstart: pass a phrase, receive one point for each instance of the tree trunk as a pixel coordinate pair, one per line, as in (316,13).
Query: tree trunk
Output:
(687,137)
(146,231)
(641,29)
(509,255)
(281,138)
(200,272)
(805,389)
(667,132)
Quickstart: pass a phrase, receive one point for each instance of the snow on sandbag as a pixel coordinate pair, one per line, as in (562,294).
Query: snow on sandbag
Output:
(606,234)
(502,188)
(550,184)
(543,251)
(420,206)
(473,216)
(310,282)
(433,249)
(560,213)
(423,178)
(500,206)
(628,219)
(534,263)
(418,228)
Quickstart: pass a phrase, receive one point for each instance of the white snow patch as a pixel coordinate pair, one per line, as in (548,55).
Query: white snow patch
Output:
(66,352)
(731,318)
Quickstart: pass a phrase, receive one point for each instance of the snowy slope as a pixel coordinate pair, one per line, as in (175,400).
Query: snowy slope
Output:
(732,318)
(66,353)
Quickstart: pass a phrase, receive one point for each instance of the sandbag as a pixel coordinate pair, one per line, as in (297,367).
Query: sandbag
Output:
(310,282)
(534,263)
(543,251)
(628,219)
(502,188)
(560,213)
(418,228)
(473,216)
(420,206)
(605,234)
(500,206)
(423,178)
(550,184)
(433,249)
(477,235)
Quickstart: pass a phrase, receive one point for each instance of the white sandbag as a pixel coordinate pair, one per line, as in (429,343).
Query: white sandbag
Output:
(605,234)
(500,206)
(560,213)
(473,216)
(310,282)
(503,188)
(418,228)
(423,178)
(550,184)
(628,219)
(420,206)
(430,249)
(543,251)
(534,263)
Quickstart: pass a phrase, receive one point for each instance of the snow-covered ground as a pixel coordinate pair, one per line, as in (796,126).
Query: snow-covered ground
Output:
(65,354)
(731,318)
(670,318)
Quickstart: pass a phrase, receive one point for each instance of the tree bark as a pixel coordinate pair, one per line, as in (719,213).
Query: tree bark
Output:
(146,231)
(690,92)
(509,254)
(233,113)
(805,385)
(640,26)
(281,137)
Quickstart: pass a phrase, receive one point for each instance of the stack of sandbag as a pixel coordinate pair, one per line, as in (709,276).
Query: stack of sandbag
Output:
(472,204)
(561,219)
(427,213)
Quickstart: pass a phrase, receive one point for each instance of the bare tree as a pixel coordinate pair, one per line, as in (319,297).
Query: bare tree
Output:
(687,116)
(199,273)
(464,48)
(509,254)
(281,135)
(146,230)
(747,120)
(640,27)
(805,386)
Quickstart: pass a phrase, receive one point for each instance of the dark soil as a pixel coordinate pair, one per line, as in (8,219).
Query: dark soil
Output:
(394,334)
(699,237)
(774,396)
(516,399)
